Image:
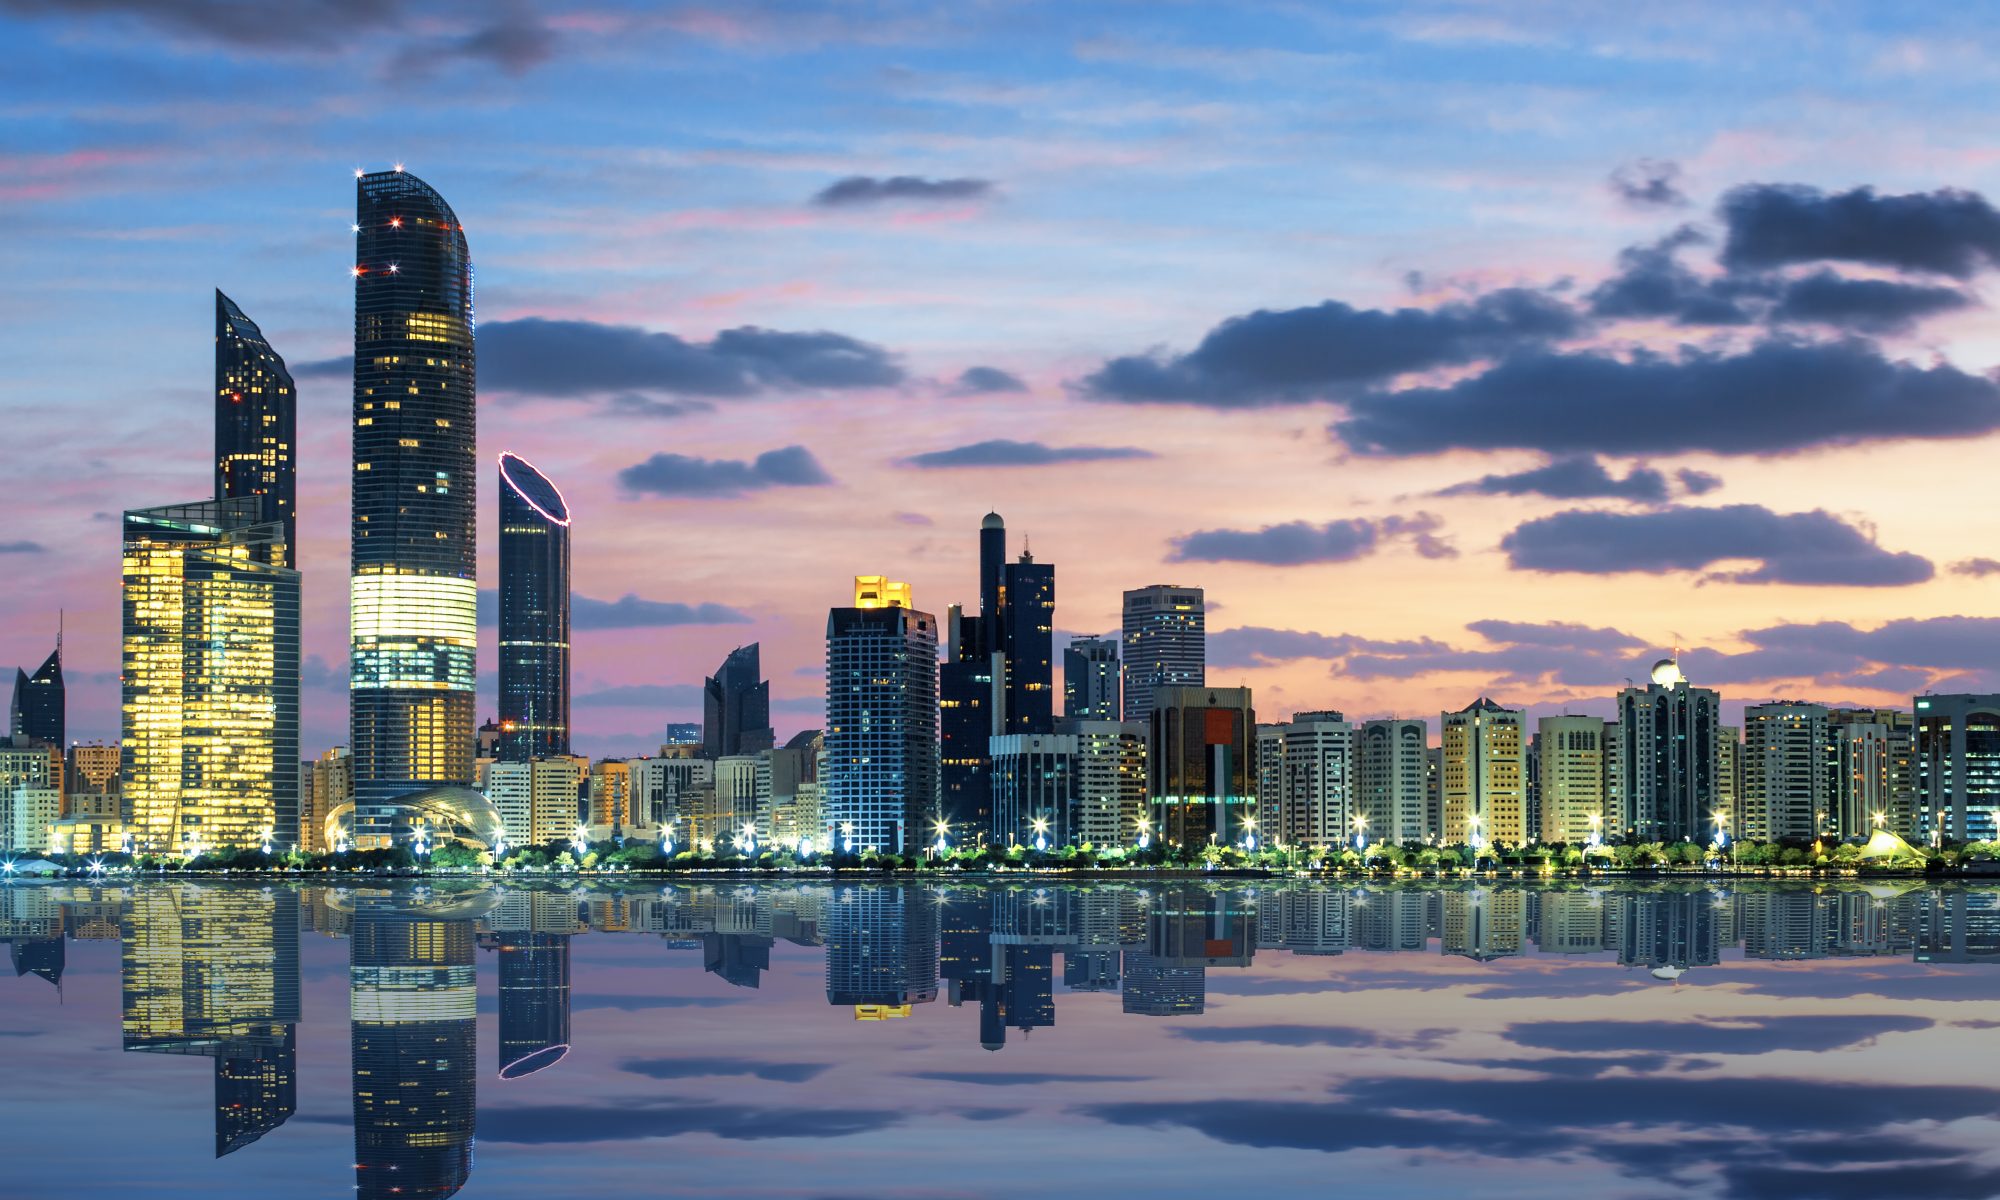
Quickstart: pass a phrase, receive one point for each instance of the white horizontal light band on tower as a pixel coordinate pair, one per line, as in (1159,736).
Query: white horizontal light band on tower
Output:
(398,607)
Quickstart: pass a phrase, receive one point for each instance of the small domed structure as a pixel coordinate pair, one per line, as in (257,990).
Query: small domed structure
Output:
(448,812)
(993,521)
(1667,673)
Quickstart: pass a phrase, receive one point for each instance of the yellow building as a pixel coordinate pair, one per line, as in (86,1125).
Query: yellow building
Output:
(210,678)
(1484,775)
(1573,775)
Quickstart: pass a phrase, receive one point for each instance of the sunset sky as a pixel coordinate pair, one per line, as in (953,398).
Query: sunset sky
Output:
(1454,349)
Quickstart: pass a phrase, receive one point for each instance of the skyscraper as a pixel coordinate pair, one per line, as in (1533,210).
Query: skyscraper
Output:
(1669,758)
(967,702)
(1572,763)
(210,678)
(1090,680)
(39,708)
(534,614)
(736,706)
(256,421)
(1201,765)
(1790,772)
(880,786)
(1392,770)
(414,591)
(534,1002)
(1028,644)
(1166,644)
(1310,762)
(1484,774)
(1958,766)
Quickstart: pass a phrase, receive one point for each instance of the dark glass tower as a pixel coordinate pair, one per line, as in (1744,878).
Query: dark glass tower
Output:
(534,1002)
(534,614)
(1028,640)
(414,601)
(965,728)
(256,418)
(736,706)
(40,703)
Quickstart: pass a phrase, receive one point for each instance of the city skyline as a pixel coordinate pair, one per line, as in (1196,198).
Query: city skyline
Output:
(803,297)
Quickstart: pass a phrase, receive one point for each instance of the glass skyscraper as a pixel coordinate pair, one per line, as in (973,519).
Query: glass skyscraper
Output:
(414,594)
(736,706)
(210,678)
(37,711)
(880,788)
(534,614)
(1166,643)
(256,421)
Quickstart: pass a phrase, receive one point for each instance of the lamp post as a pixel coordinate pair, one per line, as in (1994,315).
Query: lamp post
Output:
(1360,834)
(1145,832)
(942,828)
(1041,827)
(1596,829)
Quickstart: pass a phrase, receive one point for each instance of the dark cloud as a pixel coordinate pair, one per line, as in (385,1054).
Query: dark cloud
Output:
(979,381)
(1651,282)
(1257,646)
(1558,635)
(1342,1036)
(1698,483)
(1296,543)
(1649,183)
(626,612)
(1946,232)
(682,475)
(641,695)
(300,25)
(1813,548)
(1580,1066)
(1875,306)
(561,358)
(869,189)
(22,548)
(638,404)
(1001,452)
(1951,1180)
(1977,568)
(1020,1078)
(575,1124)
(1778,396)
(1579,478)
(1740,1035)
(1295,355)
(697,1068)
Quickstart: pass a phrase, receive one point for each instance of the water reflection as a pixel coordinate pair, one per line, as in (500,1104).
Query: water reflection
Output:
(214,971)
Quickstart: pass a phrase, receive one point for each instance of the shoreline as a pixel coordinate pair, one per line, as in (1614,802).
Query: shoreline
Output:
(913,875)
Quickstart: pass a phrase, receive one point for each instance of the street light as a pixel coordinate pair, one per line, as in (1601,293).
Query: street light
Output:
(1360,833)
(942,827)
(1721,820)
(1041,834)
(1145,832)
(1472,833)
(1250,833)
(750,838)
(1596,829)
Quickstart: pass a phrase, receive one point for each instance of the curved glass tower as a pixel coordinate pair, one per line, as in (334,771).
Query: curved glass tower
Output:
(414,598)
(534,614)
(256,418)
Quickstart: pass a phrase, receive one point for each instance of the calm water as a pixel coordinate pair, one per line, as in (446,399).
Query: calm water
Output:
(863,1041)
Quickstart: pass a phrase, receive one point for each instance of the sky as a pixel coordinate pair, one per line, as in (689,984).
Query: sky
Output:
(1454,349)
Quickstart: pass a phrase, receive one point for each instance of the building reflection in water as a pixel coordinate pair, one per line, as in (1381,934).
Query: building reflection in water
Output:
(531,932)
(415,1023)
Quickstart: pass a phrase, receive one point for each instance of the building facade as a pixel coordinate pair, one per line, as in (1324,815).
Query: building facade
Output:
(1035,779)
(1958,766)
(736,706)
(256,421)
(1201,765)
(1110,780)
(1484,774)
(39,708)
(1667,758)
(1572,779)
(1165,644)
(1090,680)
(1308,799)
(880,786)
(1790,773)
(534,614)
(1392,769)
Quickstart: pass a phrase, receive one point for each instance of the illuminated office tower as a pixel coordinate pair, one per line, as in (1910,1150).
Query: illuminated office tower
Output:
(30,801)
(967,708)
(1667,759)
(1110,780)
(1572,778)
(1201,765)
(210,678)
(881,950)
(1028,645)
(1090,680)
(534,1002)
(1156,987)
(736,706)
(1166,644)
(880,786)
(1484,775)
(94,768)
(534,614)
(256,422)
(1391,769)
(38,709)
(1034,790)
(1483,923)
(1876,777)
(1789,773)
(1958,766)
(415,1059)
(332,786)
(1728,772)
(1306,789)
(414,591)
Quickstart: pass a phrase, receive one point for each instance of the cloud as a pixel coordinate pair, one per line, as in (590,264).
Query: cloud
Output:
(682,475)
(981,381)
(1698,483)
(1020,1078)
(1259,646)
(1579,478)
(630,612)
(541,356)
(1740,1035)
(1648,183)
(1344,1036)
(1875,306)
(1001,452)
(1652,282)
(1295,355)
(641,695)
(1977,568)
(1778,396)
(1296,543)
(856,190)
(1946,232)
(573,1124)
(695,1068)
(299,25)
(1811,549)
(22,548)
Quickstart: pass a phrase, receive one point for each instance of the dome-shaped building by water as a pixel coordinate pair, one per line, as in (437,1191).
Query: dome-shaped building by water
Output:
(446,813)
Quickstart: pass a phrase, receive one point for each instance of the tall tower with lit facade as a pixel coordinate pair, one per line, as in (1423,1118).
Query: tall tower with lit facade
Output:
(534,614)
(414,591)
(1668,760)
(880,786)
(210,678)
(1485,774)
(256,421)
(1166,644)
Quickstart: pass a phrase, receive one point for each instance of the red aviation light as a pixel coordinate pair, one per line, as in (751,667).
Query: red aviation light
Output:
(395,222)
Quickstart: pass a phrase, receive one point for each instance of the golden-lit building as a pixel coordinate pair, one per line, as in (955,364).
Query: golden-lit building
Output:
(1484,775)
(1573,774)
(210,678)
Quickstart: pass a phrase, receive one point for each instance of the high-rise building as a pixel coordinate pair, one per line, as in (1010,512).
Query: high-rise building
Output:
(880,785)
(736,706)
(534,614)
(1572,779)
(1790,770)
(414,589)
(1958,766)
(332,786)
(1483,774)
(210,678)
(1309,799)
(967,707)
(1391,767)
(538,802)
(1110,780)
(534,1002)
(1027,644)
(38,710)
(1034,790)
(1876,783)
(1090,680)
(1667,758)
(1728,775)
(1201,765)
(1166,644)
(881,950)
(30,801)
(93,767)
(256,422)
